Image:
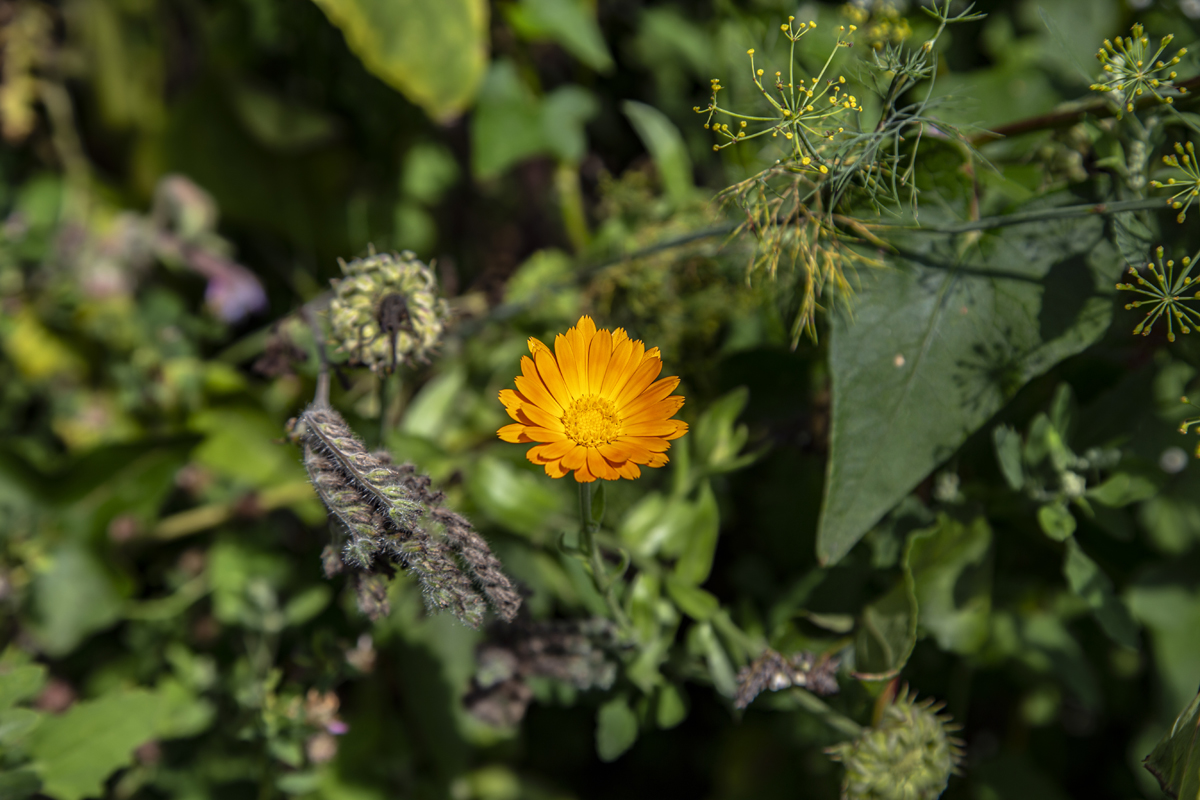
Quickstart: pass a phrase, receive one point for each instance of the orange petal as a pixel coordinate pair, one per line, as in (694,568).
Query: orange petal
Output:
(618,363)
(663,409)
(547,368)
(555,469)
(681,428)
(598,466)
(629,470)
(568,364)
(544,419)
(553,451)
(535,345)
(645,374)
(655,392)
(514,433)
(658,460)
(655,444)
(575,457)
(586,326)
(599,353)
(618,452)
(544,435)
(583,476)
(581,342)
(534,389)
(619,335)
(512,402)
(656,427)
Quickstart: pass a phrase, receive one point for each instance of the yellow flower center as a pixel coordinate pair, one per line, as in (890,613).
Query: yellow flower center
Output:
(591,421)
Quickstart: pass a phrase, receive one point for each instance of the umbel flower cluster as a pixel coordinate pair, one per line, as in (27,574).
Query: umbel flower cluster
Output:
(909,755)
(1130,71)
(1185,189)
(592,405)
(805,112)
(386,311)
(1168,295)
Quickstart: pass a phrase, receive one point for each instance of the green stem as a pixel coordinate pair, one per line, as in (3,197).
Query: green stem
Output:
(595,557)
(1023,217)
(820,709)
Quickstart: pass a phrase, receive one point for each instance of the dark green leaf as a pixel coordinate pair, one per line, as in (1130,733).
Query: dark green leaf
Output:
(306,605)
(278,124)
(670,155)
(670,708)
(616,729)
(703,641)
(940,342)
(700,542)
(1175,760)
(953,594)
(20,783)
(1088,581)
(1008,454)
(512,123)
(1056,521)
(15,723)
(887,632)
(75,597)
(692,600)
(77,750)
(517,499)
(20,682)
(1123,488)
(570,23)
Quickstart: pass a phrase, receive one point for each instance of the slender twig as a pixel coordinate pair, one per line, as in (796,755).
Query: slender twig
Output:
(820,709)
(197,520)
(1065,117)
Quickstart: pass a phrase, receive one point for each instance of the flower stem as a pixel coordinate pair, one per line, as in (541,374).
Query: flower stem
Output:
(820,709)
(590,551)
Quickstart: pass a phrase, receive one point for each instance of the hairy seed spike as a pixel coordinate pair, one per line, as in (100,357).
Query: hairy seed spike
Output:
(481,563)
(345,503)
(326,431)
(443,584)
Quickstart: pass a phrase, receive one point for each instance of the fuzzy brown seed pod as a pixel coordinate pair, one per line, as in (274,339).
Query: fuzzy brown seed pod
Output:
(381,516)
(347,504)
(581,653)
(472,549)
(443,584)
(327,433)
(371,592)
(480,562)
(774,671)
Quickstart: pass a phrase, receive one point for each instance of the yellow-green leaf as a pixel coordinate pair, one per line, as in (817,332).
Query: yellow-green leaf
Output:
(435,53)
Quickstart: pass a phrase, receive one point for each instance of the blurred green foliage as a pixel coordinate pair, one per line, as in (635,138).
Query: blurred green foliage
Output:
(971,481)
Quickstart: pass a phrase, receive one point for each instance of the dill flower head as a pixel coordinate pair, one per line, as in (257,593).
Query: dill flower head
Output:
(1169,295)
(387,311)
(592,405)
(1132,67)
(1186,188)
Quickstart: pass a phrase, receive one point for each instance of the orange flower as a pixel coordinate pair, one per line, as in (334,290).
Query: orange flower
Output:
(593,406)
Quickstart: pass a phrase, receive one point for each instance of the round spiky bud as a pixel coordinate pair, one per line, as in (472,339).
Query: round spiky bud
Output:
(909,755)
(387,310)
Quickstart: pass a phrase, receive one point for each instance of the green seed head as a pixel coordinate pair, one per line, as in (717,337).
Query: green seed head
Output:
(387,311)
(909,755)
